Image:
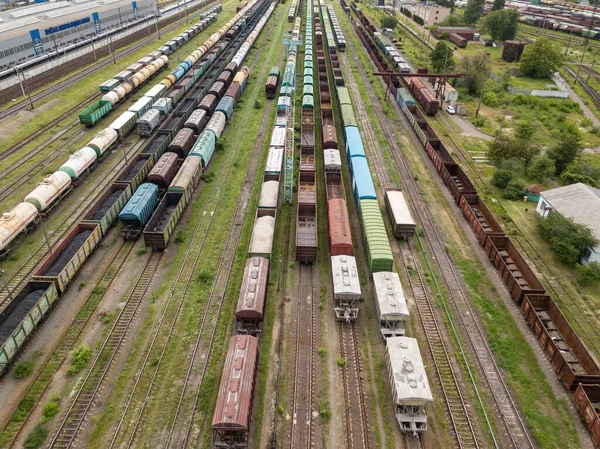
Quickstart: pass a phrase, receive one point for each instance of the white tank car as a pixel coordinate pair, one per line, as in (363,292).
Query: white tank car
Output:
(49,190)
(111,96)
(14,222)
(103,141)
(79,162)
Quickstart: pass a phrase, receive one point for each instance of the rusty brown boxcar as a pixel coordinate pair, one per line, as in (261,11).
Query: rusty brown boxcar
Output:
(271,87)
(513,269)
(225,77)
(250,309)
(587,401)
(197,121)
(329,137)
(481,218)
(209,103)
(217,89)
(567,353)
(182,143)
(457,181)
(164,171)
(306,220)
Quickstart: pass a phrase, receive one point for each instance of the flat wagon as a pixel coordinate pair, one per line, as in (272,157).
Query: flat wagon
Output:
(64,262)
(20,318)
(250,310)
(161,225)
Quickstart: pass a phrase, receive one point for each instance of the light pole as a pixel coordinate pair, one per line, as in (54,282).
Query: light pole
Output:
(45,234)
(504,115)
(25,93)
(10,296)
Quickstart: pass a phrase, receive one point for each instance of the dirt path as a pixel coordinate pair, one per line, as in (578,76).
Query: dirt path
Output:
(467,128)
(564,85)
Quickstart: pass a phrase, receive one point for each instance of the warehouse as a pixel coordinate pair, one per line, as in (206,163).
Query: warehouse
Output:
(26,32)
(579,202)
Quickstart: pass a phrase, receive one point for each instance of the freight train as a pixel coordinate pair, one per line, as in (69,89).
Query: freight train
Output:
(32,304)
(574,364)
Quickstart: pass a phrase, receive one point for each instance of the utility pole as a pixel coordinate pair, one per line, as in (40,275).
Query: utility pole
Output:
(45,234)
(94,48)
(186,16)
(568,43)
(592,67)
(481,96)
(10,296)
(587,41)
(157,28)
(111,52)
(21,83)
(504,115)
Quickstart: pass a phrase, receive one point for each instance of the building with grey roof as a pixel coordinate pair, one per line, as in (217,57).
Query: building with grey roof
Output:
(579,202)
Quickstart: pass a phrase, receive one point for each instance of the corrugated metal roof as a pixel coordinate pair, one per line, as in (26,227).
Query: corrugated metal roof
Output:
(346,284)
(22,12)
(251,301)
(8,26)
(399,206)
(390,296)
(71,10)
(362,180)
(410,379)
(579,202)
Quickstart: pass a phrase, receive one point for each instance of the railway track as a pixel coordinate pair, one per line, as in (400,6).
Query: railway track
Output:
(513,424)
(193,380)
(65,70)
(358,434)
(67,342)
(84,396)
(304,335)
(72,214)
(586,87)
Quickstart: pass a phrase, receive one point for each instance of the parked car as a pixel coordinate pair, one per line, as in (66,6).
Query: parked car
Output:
(450,110)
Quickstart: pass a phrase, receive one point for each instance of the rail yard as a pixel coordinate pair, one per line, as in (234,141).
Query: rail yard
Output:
(228,237)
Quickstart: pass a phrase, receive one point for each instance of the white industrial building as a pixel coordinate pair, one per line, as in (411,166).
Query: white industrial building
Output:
(430,13)
(579,202)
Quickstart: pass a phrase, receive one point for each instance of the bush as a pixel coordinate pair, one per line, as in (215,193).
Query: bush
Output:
(324,410)
(36,438)
(23,369)
(341,361)
(209,177)
(50,410)
(568,240)
(490,99)
(80,357)
(573,178)
(524,129)
(140,252)
(588,273)
(501,178)
(257,105)
(514,190)
(479,122)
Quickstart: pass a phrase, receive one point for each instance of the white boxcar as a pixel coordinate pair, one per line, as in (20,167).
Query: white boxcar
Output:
(346,287)
(274,161)
(410,388)
(333,160)
(124,123)
(392,310)
(278,136)
(403,223)
(148,122)
(141,106)
(156,92)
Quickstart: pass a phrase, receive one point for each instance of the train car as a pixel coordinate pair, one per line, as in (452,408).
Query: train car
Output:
(137,170)
(163,222)
(187,177)
(458,40)
(226,106)
(403,224)
(138,210)
(63,264)
(306,219)
(148,122)
(106,210)
(566,351)
(204,147)
(164,171)
(141,106)
(79,163)
(332,161)
(329,136)
(269,195)
(250,310)
(587,398)
(14,224)
(197,121)
(410,388)
(271,87)
(157,146)
(186,108)
(48,192)
(261,242)
(362,182)
(392,309)
(481,218)
(233,410)
(346,287)
(209,103)
(274,161)
(22,316)
(104,141)
(172,126)
(124,123)
(377,245)
(217,89)
(457,182)
(94,113)
(182,143)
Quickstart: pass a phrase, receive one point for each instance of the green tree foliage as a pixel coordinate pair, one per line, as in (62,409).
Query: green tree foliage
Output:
(476,69)
(567,239)
(23,370)
(540,168)
(514,190)
(566,150)
(508,149)
(453,20)
(36,438)
(501,178)
(473,11)
(524,129)
(498,4)
(80,357)
(389,22)
(491,99)
(588,273)
(501,24)
(441,58)
(573,178)
(540,58)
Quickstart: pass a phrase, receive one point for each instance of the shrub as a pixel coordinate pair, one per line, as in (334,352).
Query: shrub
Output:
(490,99)
(49,411)
(209,177)
(324,410)
(80,357)
(341,361)
(479,122)
(514,190)
(501,178)
(322,352)
(257,105)
(140,252)
(588,273)
(98,290)
(573,178)
(568,240)
(23,370)
(204,277)
(36,438)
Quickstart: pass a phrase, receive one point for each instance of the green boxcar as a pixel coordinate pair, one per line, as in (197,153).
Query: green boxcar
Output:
(162,224)
(343,95)
(348,116)
(109,85)
(308,71)
(308,102)
(90,115)
(288,79)
(18,323)
(308,90)
(308,80)
(115,199)
(379,253)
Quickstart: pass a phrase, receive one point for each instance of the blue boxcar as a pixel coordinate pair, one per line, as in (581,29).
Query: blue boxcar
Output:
(226,106)
(402,96)
(138,209)
(362,182)
(354,144)
(204,147)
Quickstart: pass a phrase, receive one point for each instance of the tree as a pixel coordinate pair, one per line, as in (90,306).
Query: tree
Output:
(568,240)
(514,190)
(501,178)
(588,273)
(507,149)
(476,69)
(441,58)
(389,22)
(540,168)
(524,129)
(453,20)
(501,24)
(473,11)
(498,4)
(540,58)
(565,151)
